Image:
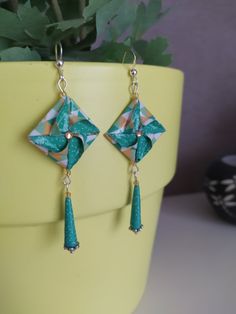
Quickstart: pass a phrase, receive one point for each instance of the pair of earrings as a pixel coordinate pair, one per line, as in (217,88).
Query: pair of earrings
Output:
(66,132)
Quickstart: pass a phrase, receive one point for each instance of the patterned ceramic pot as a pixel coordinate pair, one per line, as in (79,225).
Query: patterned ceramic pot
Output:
(108,273)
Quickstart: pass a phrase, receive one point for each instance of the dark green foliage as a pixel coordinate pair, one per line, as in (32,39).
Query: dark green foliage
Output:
(92,30)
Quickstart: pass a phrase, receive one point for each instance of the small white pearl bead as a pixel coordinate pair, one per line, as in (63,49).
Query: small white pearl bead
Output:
(139,133)
(68,135)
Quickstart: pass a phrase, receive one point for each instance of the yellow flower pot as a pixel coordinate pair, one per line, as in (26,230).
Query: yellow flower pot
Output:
(107,274)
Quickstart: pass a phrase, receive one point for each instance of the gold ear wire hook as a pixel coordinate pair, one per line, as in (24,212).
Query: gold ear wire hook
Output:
(133,74)
(62,83)
(134,57)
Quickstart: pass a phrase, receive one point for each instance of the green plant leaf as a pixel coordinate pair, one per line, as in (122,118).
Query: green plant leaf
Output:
(68,24)
(110,52)
(153,52)
(66,29)
(19,54)
(4,43)
(32,20)
(147,15)
(125,17)
(93,7)
(24,27)
(10,26)
(137,26)
(107,52)
(114,25)
(106,14)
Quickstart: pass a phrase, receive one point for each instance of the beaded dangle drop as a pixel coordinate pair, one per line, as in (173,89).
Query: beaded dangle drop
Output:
(134,133)
(135,219)
(70,238)
(63,135)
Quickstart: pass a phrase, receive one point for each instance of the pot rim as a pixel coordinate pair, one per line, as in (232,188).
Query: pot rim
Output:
(89,63)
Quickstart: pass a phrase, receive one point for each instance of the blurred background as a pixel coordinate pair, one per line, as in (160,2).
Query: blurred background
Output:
(203,42)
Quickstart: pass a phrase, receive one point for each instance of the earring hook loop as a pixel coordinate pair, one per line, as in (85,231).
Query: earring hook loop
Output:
(133,88)
(58,51)
(62,83)
(134,56)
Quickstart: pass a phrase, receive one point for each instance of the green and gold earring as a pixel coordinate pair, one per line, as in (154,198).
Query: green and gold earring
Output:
(134,133)
(63,135)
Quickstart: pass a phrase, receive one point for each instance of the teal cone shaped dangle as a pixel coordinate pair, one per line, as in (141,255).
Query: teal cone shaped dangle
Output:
(71,243)
(135,219)
(70,239)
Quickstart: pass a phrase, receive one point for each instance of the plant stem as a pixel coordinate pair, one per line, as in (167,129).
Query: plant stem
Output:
(59,17)
(13,5)
(57,10)
(82,4)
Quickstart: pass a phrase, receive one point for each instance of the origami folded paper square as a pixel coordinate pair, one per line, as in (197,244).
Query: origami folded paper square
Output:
(64,133)
(135,131)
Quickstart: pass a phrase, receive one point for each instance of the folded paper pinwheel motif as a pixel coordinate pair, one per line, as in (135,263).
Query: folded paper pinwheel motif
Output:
(64,133)
(135,131)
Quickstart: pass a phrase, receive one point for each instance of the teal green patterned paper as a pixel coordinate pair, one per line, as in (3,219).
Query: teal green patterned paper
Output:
(135,131)
(64,133)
